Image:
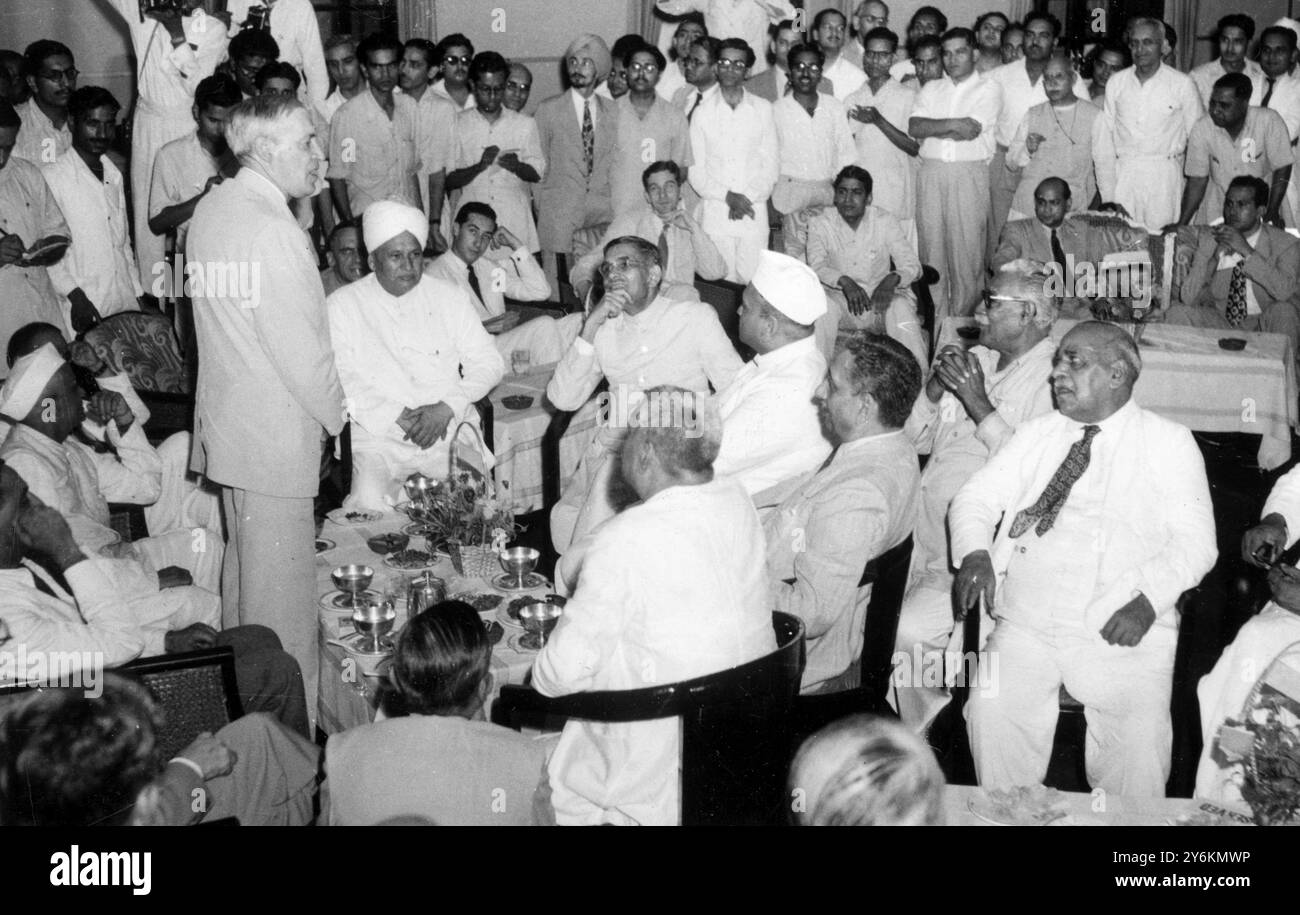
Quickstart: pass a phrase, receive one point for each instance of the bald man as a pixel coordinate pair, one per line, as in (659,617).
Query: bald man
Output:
(1079,537)
(412,356)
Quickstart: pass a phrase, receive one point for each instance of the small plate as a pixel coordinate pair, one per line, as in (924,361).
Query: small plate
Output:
(341,601)
(507,582)
(482,602)
(324,544)
(421,567)
(516,643)
(354,516)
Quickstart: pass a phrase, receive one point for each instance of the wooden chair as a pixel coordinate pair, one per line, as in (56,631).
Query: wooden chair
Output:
(734,728)
(195,690)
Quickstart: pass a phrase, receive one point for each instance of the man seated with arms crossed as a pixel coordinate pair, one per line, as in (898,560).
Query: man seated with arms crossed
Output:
(637,337)
(74,760)
(1105,520)
(858,505)
(850,247)
(699,607)
(971,406)
(346,258)
(1245,273)
(42,618)
(684,248)
(771,432)
(412,357)
(42,398)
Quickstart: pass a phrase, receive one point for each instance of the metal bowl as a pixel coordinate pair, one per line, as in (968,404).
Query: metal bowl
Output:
(353,578)
(388,543)
(519,560)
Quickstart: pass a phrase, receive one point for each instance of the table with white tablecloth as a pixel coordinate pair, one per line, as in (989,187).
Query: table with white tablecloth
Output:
(965,805)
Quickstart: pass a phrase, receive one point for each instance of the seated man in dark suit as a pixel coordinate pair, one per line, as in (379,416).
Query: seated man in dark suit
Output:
(1244,274)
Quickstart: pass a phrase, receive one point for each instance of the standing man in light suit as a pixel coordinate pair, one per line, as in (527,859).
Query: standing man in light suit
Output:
(267,382)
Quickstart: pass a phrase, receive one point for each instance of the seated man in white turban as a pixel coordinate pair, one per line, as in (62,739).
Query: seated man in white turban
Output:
(771,433)
(412,356)
(153,574)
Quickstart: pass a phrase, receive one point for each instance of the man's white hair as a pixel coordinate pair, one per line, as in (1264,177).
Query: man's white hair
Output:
(1138,21)
(255,118)
(1028,280)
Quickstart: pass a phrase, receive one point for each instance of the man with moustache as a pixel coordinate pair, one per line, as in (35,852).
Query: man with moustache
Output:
(454,54)
(774,82)
(645,126)
(690,30)
(830,31)
(1277,50)
(870,14)
(51,75)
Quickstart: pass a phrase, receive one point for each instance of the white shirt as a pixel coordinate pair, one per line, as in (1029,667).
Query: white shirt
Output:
(747,19)
(27,209)
(1285,100)
(736,149)
(439,86)
(516,275)
(504,191)
(376,155)
(394,353)
(168,76)
(845,76)
(579,103)
(1207,74)
(700,607)
(836,249)
(180,171)
(813,148)
(1019,95)
(770,429)
(689,251)
(436,143)
(295,29)
(39,141)
(893,172)
(672,79)
(976,97)
(332,103)
(100,260)
(1148,120)
(1285,501)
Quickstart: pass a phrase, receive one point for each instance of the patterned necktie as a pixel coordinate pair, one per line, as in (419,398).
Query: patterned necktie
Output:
(1058,253)
(663,248)
(1237,296)
(1263,103)
(1043,512)
(699,97)
(473,284)
(588,138)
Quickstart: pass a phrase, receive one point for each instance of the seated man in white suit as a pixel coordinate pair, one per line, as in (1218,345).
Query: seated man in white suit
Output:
(1105,520)
(412,356)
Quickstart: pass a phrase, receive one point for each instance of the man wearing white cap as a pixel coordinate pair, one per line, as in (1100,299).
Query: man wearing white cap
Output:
(42,399)
(770,428)
(413,357)
(859,504)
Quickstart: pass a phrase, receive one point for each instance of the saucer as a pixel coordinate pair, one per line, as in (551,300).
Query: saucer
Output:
(342,600)
(323,544)
(507,582)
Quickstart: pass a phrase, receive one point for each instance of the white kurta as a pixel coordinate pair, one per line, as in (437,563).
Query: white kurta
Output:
(504,191)
(893,172)
(1066,151)
(28,210)
(167,78)
(39,141)
(846,77)
(1018,95)
(629,626)
(1142,142)
(1207,74)
(100,260)
(394,353)
(295,29)
(770,429)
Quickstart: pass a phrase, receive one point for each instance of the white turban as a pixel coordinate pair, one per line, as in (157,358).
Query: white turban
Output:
(27,380)
(384,220)
(790,286)
(1291,24)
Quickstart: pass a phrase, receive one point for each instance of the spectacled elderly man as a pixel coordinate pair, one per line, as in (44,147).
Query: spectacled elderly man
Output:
(519,85)
(699,607)
(412,356)
(870,14)
(771,432)
(861,503)
(1079,536)
(267,386)
(638,338)
(972,403)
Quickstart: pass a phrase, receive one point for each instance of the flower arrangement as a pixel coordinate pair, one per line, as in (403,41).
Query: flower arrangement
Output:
(1271,783)
(463,515)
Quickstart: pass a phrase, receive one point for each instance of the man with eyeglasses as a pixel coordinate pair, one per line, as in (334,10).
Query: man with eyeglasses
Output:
(637,338)
(870,14)
(813,138)
(1077,539)
(733,137)
(293,25)
(499,152)
(830,31)
(744,19)
(248,53)
(1233,36)
(519,85)
(344,71)
(454,54)
(774,82)
(437,136)
(879,113)
(972,402)
(954,119)
(688,31)
(645,127)
(701,76)
(577,130)
(1277,49)
(52,77)
(374,151)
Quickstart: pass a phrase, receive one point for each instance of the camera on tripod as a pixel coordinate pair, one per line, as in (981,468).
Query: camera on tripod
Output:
(162,6)
(257,19)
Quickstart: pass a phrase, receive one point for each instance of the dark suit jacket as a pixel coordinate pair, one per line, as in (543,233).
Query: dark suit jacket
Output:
(1029,238)
(567,198)
(1274,271)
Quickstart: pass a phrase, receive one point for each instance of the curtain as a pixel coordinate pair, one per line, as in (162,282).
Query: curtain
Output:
(1019,9)
(1182,15)
(417,19)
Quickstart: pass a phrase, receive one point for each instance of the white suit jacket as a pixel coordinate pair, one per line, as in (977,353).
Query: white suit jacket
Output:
(267,382)
(1158,533)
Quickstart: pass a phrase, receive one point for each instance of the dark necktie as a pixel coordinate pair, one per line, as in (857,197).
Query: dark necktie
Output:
(1268,94)
(473,284)
(830,457)
(1237,295)
(1058,253)
(663,249)
(1043,512)
(699,97)
(588,138)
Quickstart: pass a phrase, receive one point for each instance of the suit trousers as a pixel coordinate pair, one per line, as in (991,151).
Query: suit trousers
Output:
(269,575)
(1003,182)
(273,782)
(952,224)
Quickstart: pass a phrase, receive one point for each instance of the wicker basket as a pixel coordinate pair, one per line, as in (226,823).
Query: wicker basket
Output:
(473,561)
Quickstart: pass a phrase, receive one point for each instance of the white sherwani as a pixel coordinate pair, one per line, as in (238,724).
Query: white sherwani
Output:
(1138,521)
(957,448)
(39,141)
(699,607)
(1140,146)
(504,191)
(893,172)
(393,353)
(770,429)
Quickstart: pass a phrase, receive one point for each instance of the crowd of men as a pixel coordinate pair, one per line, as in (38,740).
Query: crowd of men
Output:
(388,197)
